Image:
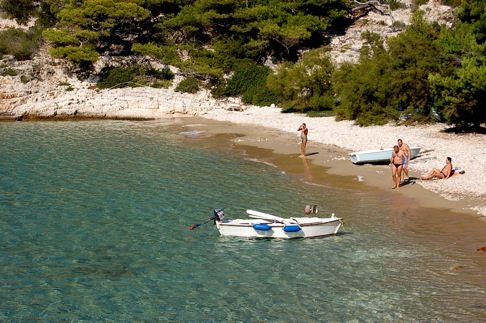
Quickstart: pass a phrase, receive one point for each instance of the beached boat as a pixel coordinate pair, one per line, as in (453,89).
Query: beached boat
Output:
(377,156)
(263,225)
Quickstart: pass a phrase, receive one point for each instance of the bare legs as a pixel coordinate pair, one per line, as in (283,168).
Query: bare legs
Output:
(396,175)
(302,148)
(405,173)
(434,173)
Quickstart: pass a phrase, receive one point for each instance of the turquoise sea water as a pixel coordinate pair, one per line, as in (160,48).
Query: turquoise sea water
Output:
(93,227)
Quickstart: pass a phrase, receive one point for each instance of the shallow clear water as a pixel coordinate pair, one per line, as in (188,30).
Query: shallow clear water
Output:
(93,226)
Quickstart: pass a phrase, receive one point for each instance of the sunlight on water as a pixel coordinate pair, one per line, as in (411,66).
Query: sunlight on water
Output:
(94,218)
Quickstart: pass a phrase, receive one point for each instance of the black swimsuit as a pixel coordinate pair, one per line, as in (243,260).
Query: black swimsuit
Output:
(397,165)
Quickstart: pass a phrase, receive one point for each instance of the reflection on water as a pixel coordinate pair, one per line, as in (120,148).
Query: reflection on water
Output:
(94,219)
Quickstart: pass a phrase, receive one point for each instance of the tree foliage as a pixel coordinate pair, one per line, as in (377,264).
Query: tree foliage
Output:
(264,28)
(460,93)
(19,43)
(473,12)
(20,10)
(390,82)
(249,82)
(305,85)
(87,28)
(132,76)
(423,73)
(188,85)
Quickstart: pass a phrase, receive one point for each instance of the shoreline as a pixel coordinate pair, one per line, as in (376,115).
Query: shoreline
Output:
(468,151)
(332,158)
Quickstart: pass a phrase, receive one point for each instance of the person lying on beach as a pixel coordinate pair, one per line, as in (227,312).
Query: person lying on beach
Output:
(445,173)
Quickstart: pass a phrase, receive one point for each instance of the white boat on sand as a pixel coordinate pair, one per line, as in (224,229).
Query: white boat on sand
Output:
(263,225)
(377,156)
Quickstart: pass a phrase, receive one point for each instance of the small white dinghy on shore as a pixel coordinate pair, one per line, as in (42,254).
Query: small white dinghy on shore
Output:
(263,225)
(377,156)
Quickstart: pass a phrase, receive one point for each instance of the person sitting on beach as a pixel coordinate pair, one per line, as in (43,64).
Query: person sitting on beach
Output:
(396,161)
(446,172)
(303,138)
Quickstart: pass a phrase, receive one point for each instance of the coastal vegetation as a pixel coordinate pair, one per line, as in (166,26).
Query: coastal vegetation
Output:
(270,52)
(188,85)
(135,75)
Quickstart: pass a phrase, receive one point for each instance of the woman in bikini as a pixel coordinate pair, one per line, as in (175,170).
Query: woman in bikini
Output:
(396,162)
(446,171)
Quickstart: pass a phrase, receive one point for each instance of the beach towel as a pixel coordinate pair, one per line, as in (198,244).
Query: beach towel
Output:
(457,171)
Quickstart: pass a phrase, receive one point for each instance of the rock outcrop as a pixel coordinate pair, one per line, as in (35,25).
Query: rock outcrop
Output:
(386,23)
(42,88)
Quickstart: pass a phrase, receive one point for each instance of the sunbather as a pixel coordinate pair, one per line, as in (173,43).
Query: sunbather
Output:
(446,171)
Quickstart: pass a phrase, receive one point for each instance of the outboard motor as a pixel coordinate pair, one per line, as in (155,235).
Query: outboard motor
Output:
(218,215)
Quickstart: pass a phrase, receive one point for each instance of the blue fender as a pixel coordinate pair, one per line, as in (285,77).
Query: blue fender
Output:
(261,227)
(292,228)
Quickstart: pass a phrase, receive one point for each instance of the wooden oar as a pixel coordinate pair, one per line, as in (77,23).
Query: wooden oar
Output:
(265,216)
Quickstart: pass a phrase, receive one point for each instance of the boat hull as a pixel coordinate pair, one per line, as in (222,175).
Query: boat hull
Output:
(309,228)
(377,156)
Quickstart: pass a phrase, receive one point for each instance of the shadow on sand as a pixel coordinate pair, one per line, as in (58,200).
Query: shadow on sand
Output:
(410,181)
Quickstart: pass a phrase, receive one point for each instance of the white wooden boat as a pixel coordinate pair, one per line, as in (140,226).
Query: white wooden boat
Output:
(263,225)
(377,156)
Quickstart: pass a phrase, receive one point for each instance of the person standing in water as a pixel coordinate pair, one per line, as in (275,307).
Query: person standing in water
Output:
(396,162)
(303,138)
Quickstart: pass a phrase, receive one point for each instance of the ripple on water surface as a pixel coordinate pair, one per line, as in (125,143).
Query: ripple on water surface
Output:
(94,217)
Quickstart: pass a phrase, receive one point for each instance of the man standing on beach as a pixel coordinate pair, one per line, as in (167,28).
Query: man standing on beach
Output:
(407,155)
(396,162)
(303,138)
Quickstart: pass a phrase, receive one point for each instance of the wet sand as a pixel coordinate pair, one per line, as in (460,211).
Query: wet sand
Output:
(425,213)
(332,158)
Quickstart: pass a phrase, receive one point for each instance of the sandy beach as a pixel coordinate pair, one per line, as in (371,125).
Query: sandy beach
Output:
(468,151)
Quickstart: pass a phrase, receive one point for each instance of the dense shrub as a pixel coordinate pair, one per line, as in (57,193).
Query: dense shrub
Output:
(134,76)
(166,54)
(305,85)
(250,81)
(261,96)
(118,77)
(161,84)
(25,79)
(8,72)
(218,88)
(460,90)
(395,4)
(188,85)
(473,13)
(386,83)
(20,10)
(19,43)
(163,74)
